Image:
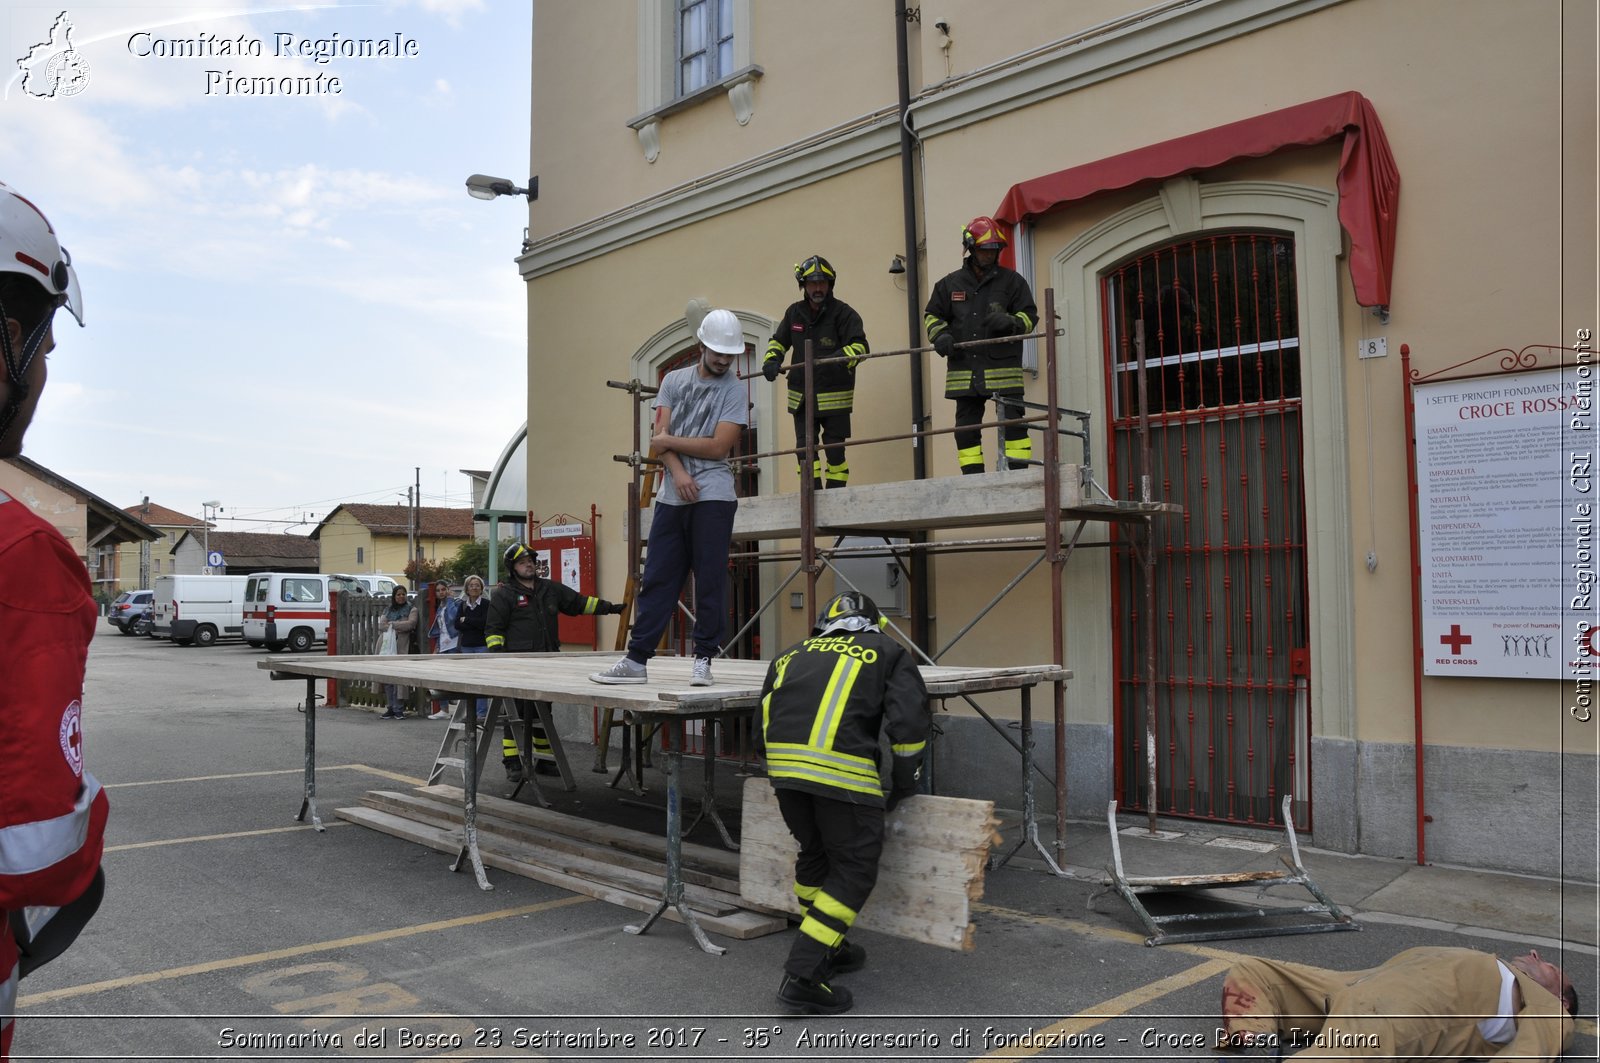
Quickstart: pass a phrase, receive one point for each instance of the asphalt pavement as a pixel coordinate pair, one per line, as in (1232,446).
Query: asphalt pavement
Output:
(232,931)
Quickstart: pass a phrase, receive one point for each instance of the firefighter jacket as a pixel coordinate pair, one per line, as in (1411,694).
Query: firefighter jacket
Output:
(823,705)
(963,303)
(522,618)
(52,811)
(836,330)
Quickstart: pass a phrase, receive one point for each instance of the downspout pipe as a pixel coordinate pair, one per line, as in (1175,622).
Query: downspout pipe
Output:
(920,562)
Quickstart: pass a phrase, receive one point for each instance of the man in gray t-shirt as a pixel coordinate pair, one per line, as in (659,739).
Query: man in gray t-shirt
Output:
(700,411)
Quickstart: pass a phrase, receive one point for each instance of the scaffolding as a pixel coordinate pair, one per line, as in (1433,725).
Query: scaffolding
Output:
(1064,497)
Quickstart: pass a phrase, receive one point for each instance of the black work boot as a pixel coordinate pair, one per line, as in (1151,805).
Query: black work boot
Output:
(513,770)
(813,998)
(846,958)
(545,767)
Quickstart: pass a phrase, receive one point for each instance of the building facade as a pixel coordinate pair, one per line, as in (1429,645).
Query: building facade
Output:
(1258,195)
(138,564)
(358,538)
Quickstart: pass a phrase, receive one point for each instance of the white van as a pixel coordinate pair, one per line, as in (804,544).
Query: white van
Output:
(379,584)
(291,608)
(198,609)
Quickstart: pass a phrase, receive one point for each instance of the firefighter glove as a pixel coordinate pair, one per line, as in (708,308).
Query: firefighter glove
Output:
(771,368)
(1000,324)
(944,344)
(610,609)
(897,795)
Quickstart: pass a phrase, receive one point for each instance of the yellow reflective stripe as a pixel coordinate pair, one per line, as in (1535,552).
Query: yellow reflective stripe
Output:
(780,667)
(834,401)
(508,746)
(821,931)
(910,749)
(590,605)
(1019,448)
(934,325)
(774,349)
(806,893)
(795,754)
(1009,376)
(854,351)
(831,906)
(957,379)
(831,709)
(794,399)
(970,455)
(1027,322)
(495,640)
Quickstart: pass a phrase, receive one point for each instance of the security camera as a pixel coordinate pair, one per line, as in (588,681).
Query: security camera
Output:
(942,26)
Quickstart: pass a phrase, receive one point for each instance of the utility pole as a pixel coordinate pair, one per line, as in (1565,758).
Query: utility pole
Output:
(416,514)
(411,527)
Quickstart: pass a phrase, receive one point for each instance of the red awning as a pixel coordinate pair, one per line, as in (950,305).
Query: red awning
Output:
(1369,181)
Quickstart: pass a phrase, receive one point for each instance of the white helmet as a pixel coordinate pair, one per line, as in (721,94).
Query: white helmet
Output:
(721,332)
(28,246)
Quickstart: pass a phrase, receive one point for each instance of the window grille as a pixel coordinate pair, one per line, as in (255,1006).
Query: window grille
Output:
(1218,320)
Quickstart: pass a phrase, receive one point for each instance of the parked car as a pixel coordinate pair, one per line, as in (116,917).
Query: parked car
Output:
(130,613)
(198,609)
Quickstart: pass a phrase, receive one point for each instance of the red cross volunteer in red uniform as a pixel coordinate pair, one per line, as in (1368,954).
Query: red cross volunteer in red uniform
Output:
(52,811)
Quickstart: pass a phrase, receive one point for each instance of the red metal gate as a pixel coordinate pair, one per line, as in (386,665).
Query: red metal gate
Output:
(1217,317)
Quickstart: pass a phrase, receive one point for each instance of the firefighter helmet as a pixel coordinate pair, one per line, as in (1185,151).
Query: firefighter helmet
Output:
(816,268)
(721,332)
(848,604)
(513,553)
(983,232)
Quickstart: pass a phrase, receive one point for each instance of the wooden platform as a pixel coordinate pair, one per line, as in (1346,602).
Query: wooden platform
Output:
(987,499)
(614,864)
(564,677)
(935,852)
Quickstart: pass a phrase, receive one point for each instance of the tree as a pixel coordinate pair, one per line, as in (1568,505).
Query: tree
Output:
(472,559)
(422,571)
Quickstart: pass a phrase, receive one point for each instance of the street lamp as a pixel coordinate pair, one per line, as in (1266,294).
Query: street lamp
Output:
(481,186)
(210,510)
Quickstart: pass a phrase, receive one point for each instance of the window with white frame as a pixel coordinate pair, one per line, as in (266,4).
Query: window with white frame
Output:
(705,43)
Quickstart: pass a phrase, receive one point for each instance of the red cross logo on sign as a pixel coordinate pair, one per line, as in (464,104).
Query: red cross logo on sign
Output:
(1455,640)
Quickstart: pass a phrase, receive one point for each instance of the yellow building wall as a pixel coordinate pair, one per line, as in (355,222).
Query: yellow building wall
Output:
(344,534)
(1495,190)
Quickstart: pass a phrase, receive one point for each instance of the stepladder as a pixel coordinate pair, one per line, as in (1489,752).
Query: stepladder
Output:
(465,729)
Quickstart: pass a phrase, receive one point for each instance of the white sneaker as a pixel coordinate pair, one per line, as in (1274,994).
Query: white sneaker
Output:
(701,677)
(624,671)
(438,715)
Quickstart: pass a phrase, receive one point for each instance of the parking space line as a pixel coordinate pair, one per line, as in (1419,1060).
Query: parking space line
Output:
(218,837)
(89,988)
(367,768)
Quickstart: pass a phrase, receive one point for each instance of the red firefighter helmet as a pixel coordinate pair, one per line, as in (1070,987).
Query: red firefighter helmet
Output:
(982,231)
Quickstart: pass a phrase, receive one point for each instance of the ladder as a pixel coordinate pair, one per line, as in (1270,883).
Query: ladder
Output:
(452,748)
(647,474)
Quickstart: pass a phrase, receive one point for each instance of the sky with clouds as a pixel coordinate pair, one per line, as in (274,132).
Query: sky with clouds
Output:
(290,300)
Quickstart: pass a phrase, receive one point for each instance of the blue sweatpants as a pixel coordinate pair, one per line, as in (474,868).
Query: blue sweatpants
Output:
(684,539)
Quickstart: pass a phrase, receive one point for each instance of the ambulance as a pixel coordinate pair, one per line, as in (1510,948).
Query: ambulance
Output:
(291,609)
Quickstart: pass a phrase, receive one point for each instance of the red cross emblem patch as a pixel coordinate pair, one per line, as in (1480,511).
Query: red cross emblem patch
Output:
(72,736)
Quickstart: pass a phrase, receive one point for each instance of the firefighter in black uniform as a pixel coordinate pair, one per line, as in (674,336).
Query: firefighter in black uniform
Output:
(983,300)
(834,330)
(822,707)
(522,619)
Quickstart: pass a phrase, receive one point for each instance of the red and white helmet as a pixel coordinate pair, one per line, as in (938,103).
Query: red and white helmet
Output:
(28,246)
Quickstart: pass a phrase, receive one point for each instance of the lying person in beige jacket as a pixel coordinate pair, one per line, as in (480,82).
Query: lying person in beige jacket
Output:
(1425,1003)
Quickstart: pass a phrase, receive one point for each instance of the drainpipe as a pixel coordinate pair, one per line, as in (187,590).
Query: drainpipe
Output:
(920,563)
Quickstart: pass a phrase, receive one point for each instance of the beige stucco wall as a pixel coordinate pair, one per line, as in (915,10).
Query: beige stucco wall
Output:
(1493,129)
(61,510)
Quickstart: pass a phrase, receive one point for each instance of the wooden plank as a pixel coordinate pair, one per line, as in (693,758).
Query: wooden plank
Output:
(540,846)
(740,926)
(935,855)
(702,857)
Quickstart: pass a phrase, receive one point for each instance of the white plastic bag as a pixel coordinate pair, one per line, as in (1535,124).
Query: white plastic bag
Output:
(386,642)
